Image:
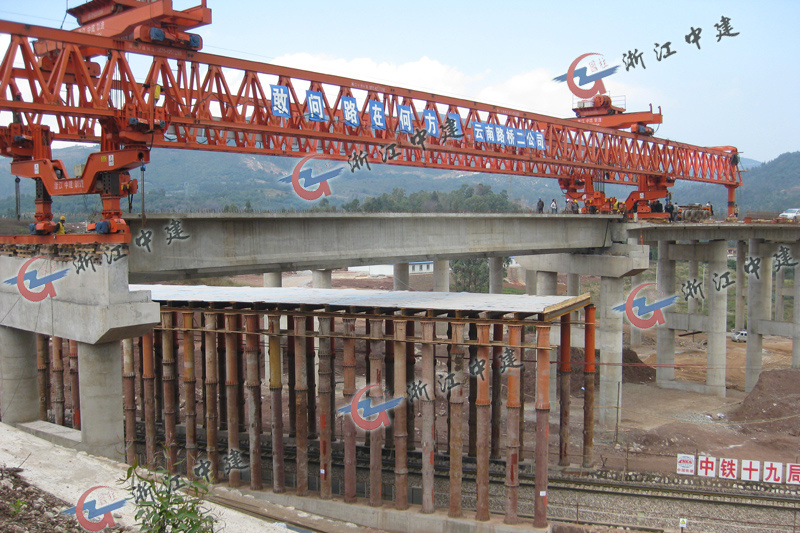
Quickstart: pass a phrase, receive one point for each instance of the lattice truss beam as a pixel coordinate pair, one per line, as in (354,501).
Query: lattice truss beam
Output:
(87,87)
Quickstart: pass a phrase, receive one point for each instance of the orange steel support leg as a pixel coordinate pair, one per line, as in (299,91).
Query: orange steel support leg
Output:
(349,364)
(169,377)
(189,393)
(428,414)
(212,393)
(74,385)
(43,373)
(483,403)
(400,418)
(129,400)
(564,373)
(149,377)
(58,382)
(496,387)
(232,386)
(512,438)
(376,398)
(325,402)
(542,424)
(301,396)
(456,419)
(276,401)
(253,382)
(588,384)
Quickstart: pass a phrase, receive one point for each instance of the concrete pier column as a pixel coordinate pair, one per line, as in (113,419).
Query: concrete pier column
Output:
(796,313)
(665,336)
(495,275)
(780,276)
(100,375)
(402,279)
(441,276)
(321,279)
(18,391)
(610,334)
(741,304)
(717,320)
(273,279)
(530,281)
(693,271)
(573,284)
(547,283)
(636,333)
(758,308)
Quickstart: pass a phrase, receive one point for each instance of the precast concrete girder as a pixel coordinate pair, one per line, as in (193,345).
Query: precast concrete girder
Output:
(191,246)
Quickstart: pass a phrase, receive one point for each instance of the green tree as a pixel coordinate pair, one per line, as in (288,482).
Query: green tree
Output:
(472,275)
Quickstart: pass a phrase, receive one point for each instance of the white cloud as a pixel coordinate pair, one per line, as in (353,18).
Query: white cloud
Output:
(423,74)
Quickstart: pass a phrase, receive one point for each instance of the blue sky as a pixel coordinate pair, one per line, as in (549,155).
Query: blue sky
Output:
(739,91)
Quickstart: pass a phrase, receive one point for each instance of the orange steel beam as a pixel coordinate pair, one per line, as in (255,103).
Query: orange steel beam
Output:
(208,102)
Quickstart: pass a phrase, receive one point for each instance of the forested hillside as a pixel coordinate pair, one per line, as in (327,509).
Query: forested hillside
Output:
(190,181)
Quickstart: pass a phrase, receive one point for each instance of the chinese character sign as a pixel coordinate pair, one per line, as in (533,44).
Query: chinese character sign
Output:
(280,101)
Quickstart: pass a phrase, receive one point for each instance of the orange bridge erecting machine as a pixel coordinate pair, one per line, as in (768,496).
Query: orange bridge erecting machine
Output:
(80,86)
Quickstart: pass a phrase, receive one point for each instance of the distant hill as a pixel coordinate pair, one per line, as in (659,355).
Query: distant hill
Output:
(188,180)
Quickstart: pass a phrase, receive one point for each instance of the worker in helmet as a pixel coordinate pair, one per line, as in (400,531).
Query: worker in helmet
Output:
(61,226)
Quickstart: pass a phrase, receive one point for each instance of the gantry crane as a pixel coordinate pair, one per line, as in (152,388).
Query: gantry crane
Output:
(83,83)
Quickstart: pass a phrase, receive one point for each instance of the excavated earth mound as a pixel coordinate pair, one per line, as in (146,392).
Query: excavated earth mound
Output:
(775,400)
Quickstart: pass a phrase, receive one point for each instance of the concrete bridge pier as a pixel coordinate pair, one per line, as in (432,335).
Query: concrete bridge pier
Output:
(89,304)
(273,279)
(402,278)
(18,389)
(759,308)
(495,275)
(100,375)
(612,265)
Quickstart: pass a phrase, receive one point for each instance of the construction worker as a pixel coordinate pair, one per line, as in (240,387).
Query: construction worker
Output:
(554,206)
(540,206)
(61,228)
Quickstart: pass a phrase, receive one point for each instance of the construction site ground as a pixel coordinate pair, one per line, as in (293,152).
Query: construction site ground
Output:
(655,424)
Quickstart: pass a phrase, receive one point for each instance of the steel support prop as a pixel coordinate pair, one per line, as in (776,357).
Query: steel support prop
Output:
(428,414)
(325,402)
(514,407)
(376,398)
(253,384)
(189,393)
(497,351)
(301,410)
(290,378)
(400,418)
(349,367)
(276,402)
(388,368)
(43,373)
(542,424)
(311,380)
(232,390)
(484,412)
(456,418)
(149,376)
(74,384)
(564,374)
(411,362)
(58,382)
(170,390)
(212,394)
(129,400)
(588,386)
